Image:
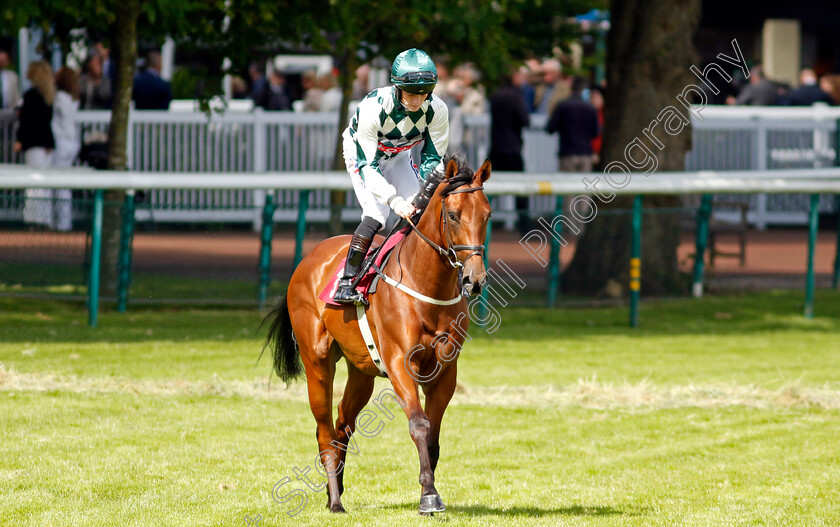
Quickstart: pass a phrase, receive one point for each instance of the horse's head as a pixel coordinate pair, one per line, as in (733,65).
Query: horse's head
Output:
(464,213)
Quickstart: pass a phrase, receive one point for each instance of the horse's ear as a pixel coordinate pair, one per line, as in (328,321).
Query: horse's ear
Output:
(451,169)
(483,173)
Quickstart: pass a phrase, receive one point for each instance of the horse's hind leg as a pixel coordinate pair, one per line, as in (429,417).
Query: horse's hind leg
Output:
(357,393)
(319,363)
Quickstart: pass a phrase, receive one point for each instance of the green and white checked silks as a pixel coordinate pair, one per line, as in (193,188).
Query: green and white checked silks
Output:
(381,129)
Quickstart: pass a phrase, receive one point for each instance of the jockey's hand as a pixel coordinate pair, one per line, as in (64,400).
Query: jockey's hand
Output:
(403,208)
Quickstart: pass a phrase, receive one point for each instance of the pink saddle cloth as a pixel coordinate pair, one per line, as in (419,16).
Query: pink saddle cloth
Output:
(326,295)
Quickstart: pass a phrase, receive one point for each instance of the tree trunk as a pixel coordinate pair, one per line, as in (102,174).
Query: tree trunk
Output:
(347,65)
(649,52)
(124,55)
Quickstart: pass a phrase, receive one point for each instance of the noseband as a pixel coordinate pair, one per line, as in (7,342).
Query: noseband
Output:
(450,252)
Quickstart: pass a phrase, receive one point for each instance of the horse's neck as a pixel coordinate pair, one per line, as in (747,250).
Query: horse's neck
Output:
(421,267)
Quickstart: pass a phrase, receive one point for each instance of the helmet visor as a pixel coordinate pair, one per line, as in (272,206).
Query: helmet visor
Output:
(416,77)
(417,89)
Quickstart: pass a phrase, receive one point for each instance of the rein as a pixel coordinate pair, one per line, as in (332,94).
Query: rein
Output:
(450,252)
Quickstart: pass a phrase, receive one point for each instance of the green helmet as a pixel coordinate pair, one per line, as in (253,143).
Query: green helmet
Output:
(414,72)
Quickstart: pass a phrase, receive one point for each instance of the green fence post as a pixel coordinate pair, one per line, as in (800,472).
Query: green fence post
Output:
(835,281)
(126,239)
(303,205)
(636,262)
(265,249)
(554,258)
(702,240)
(813,222)
(95,256)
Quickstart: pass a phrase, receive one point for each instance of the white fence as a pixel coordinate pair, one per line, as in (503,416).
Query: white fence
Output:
(726,138)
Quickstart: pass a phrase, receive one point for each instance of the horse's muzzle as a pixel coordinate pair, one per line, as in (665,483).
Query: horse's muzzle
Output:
(471,287)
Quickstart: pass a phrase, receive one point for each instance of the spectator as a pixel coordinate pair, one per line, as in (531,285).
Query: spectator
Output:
(108,67)
(238,87)
(331,99)
(9,85)
(66,143)
(597,100)
(473,100)
(553,89)
(259,84)
(831,85)
(508,116)
(313,93)
(577,122)
(361,84)
(522,80)
(150,91)
(277,98)
(443,89)
(759,91)
(809,92)
(450,91)
(35,139)
(94,86)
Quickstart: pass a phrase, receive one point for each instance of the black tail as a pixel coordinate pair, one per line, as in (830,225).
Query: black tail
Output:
(281,341)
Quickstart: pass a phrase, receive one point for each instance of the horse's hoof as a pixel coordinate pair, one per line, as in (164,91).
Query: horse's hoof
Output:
(431,504)
(337,508)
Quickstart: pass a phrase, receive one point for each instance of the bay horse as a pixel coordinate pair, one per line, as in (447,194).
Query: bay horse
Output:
(442,256)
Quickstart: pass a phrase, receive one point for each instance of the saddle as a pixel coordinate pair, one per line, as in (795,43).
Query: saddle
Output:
(366,281)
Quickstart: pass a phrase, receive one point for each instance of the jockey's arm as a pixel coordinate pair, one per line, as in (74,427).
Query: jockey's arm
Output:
(436,140)
(368,158)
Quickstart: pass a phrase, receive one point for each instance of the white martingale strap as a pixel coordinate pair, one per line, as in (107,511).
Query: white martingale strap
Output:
(419,296)
(364,327)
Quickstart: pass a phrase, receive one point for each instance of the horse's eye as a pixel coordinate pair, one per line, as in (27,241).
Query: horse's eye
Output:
(452,216)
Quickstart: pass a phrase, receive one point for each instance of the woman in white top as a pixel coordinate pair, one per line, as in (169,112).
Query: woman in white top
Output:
(66,140)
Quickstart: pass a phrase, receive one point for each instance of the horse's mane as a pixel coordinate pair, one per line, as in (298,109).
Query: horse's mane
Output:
(464,176)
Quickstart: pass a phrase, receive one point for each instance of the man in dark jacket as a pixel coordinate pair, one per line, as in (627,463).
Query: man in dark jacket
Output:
(508,116)
(809,92)
(150,91)
(577,122)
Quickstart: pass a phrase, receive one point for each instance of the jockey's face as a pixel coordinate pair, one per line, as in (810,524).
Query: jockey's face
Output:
(412,102)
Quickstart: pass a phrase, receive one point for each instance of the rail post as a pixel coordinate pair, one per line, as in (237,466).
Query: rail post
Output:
(259,153)
(813,221)
(554,258)
(702,239)
(126,237)
(265,249)
(300,230)
(636,262)
(95,258)
(835,280)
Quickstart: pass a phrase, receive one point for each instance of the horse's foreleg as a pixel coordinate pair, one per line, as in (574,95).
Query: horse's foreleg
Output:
(438,396)
(420,428)
(357,393)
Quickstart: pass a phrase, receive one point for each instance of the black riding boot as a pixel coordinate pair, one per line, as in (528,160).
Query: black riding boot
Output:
(346,293)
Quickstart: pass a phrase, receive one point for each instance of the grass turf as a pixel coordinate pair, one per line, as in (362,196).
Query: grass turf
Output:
(722,411)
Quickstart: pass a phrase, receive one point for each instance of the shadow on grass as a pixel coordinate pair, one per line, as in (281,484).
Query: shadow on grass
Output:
(531,512)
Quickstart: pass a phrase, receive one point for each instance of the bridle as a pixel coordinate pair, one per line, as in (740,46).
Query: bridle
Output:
(450,252)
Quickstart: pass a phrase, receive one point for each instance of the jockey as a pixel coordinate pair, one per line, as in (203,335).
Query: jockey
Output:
(387,123)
